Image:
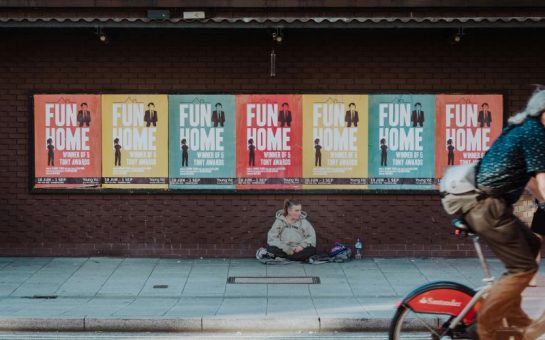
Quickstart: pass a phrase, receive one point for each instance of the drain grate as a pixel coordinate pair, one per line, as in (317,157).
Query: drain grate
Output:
(309,280)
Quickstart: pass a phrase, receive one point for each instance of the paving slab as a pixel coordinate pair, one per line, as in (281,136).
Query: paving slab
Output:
(243,308)
(195,307)
(152,294)
(99,307)
(90,277)
(295,307)
(288,290)
(129,278)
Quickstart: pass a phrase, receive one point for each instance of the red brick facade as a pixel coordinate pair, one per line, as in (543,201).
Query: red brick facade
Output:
(237,61)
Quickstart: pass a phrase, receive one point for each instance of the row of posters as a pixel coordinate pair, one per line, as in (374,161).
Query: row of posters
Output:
(337,141)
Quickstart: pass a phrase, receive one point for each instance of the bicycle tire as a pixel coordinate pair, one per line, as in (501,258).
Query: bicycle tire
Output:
(426,312)
(420,326)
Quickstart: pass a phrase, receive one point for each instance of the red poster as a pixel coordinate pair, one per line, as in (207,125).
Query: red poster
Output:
(67,136)
(269,134)
(466,127)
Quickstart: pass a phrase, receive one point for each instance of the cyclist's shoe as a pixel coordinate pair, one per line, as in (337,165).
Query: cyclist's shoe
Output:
(536,329)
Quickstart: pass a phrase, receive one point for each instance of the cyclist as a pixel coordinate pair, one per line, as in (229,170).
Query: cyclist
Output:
(515,160)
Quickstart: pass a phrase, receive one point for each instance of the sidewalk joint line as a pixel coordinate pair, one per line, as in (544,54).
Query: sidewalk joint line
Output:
(187,278)
(385,277)
(146,281)
(33,274)
(71,275)
(413,261)
(109,276)
(8,263)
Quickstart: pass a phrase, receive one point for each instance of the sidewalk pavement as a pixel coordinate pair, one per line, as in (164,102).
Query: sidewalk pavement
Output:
(118,294)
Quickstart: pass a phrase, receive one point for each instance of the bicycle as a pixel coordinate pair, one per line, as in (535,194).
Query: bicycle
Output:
(444,309)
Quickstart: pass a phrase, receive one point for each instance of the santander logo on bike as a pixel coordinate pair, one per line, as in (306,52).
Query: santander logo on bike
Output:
(432,301)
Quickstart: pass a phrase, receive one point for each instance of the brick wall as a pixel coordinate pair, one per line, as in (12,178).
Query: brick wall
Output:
(184,61)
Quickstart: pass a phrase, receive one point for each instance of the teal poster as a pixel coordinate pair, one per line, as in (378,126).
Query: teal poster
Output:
(202,142)
(401,141)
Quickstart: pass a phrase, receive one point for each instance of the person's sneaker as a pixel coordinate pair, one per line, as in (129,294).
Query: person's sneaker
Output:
(317,259)
(277,260)
(262,254)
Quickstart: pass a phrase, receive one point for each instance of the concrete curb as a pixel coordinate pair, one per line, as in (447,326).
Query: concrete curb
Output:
(39,324)
(353,325)
(217,324)
(204,324)
(143,325)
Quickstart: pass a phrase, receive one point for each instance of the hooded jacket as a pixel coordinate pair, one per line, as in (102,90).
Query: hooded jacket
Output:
(287,236)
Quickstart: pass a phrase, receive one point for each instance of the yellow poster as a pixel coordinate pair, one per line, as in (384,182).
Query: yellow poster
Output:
(135,141)
(335,139)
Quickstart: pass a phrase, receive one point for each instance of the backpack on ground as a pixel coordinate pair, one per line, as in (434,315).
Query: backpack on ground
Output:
(340,253)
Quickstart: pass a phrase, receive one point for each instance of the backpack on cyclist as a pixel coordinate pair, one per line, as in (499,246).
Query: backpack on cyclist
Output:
(459,192)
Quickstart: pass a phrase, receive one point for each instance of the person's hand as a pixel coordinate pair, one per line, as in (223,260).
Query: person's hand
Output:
(298,249)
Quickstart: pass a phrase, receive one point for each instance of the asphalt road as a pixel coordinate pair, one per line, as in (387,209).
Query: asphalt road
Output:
(198,336)
(191,336)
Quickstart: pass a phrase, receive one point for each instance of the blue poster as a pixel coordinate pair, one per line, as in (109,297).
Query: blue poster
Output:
(202,142)
(401,141)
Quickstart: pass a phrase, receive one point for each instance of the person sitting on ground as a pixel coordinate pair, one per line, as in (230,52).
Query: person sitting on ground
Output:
(291,236)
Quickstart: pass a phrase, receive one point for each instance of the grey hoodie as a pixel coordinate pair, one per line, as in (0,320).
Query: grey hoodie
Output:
(288,236)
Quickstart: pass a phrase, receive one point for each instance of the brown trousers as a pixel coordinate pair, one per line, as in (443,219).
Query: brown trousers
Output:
(516,246)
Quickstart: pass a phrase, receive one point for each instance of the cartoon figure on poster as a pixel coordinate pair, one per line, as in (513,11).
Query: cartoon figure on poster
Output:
(450,150)
(185,152)
(284,116)
(317,153)
(351,117)
(268,149)
(50,152)
(84,115)
(218,115)
(251,152)
(485,116)
(383,152)
(150,117)
(117,157)
(403,154)
(417,116)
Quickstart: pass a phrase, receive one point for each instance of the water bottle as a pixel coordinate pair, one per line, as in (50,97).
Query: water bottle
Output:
(358,246)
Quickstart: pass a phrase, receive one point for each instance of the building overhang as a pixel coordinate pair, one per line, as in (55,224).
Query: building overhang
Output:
(278,22)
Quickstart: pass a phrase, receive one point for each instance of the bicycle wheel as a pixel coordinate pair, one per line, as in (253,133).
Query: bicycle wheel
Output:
(427,311)
(407,324)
